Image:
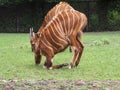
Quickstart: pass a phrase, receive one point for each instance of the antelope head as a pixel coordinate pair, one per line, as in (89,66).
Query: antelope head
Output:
(36,48)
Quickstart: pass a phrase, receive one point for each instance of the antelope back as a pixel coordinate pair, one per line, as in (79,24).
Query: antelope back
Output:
(54,11)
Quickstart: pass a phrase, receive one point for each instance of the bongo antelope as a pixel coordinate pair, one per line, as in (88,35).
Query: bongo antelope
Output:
(62,31)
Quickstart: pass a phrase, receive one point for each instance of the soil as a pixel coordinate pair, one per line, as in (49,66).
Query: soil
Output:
(59,85)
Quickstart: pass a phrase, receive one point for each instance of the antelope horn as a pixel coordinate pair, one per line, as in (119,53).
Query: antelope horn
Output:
(32,29)
(31,32)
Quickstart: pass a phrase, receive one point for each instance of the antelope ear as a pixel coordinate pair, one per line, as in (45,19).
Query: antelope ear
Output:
(36,35)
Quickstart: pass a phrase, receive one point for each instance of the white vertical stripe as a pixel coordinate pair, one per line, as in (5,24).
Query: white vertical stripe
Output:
(68,28)
(64,23)
(54,40)
(56,9)
(60,35)
(60,25)
(45,44)
(48,42)
(72,23)
(57,28)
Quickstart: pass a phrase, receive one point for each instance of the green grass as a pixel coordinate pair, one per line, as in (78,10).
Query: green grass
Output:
(100,60)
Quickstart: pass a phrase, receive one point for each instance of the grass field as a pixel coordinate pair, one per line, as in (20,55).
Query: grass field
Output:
(100,59)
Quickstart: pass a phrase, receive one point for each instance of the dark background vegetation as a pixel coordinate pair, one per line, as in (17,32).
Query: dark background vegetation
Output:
(19,15)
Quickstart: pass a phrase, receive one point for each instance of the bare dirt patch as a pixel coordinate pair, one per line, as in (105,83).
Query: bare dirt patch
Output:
(59,85)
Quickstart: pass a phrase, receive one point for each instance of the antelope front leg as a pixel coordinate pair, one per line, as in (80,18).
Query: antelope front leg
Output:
(48,62)
(37,58)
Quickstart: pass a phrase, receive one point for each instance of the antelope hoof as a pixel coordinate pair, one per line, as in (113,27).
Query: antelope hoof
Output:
(70,67)
(37,63)
(50,68)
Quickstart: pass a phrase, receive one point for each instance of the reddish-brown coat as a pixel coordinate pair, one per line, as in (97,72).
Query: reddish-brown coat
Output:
(45,42)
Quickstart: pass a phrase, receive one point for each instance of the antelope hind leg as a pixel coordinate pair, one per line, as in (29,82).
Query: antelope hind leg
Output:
(72,64)
(75,46)
(80,53)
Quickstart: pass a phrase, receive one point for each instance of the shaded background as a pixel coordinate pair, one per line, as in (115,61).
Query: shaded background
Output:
(17,16)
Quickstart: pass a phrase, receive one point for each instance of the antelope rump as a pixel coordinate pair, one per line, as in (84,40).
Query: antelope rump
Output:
(63,28)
